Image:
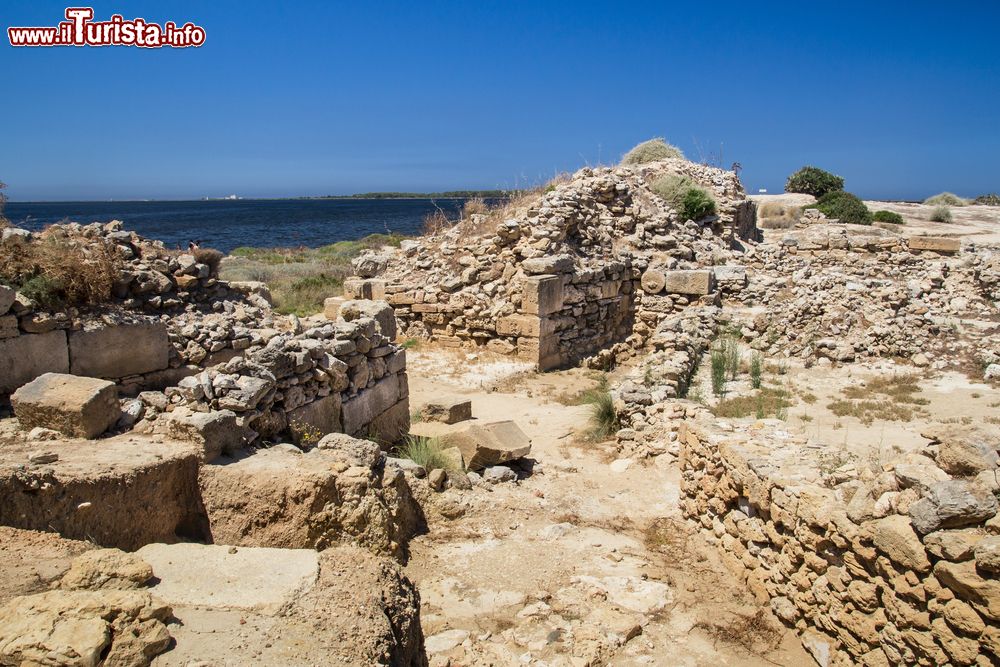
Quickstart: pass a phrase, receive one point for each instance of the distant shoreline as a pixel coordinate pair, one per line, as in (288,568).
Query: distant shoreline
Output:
(456,194)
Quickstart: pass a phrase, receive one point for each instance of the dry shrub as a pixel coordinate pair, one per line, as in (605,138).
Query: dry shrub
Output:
(757,633)
(435,223)
(60,272)
(475,206)
(651,151)
(210,257)
(556,181)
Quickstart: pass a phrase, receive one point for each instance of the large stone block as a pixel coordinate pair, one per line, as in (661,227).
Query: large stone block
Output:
(115,352)
(331,307)
(23,358)
(694,282)
(217,432)
(380,311)
(935,243)
(543,352)
(364,288)
(548,264)
(7,296)
(361,410)
(447,411)
(542,295)
(314,420)
(489,443)
(75,406)
(531,326)
(393,424)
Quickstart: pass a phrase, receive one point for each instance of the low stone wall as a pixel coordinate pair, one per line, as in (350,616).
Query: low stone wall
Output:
(901,570)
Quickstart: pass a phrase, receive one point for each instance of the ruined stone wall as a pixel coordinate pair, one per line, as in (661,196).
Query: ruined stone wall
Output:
(903,570)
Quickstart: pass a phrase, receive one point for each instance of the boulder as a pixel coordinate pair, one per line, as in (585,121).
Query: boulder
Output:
(75,406)
(966,456)
(498,474)
(106,569)
(489,443)
(23,358)
(550,264)
(447,412)
(953,545)
(952,504)
(118,351)
(894,537)
(380,311)
(988,554)
(352,451)
(217,432)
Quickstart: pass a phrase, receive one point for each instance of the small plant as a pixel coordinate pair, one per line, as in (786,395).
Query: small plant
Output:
(211,258)
(304,434)
(717,358)
(411,344)
(774,215)
(941,214)
(813,181)
(426,452)
(756,369)
(604,421)
(767,401)
(3,200)
(887,216)
(435,223)
(474,206)
(945,199)
(651,151)
(845,207)
(682,194)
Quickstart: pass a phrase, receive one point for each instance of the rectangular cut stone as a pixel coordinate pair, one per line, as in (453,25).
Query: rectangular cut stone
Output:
(489,443)
(531,326)
(542,295)
(23,358)
(392,424)
(694,282)
(361,410)
(114,352)
(447,411)
(364,288)
(935,243)
(76,406)
(331,307)
(543,352)
(314,420)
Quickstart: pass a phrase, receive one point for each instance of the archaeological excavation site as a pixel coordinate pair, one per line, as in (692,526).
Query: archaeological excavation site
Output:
(631,417)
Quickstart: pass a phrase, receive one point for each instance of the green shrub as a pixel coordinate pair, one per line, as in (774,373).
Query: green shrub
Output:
(604,421)
(941,214)
(887,216)
(945,199)
(46,292)
(685,196)
(813,181)
(756,369)
(718,361)
(845,207)
(992,199)
(426,452)
(651,151)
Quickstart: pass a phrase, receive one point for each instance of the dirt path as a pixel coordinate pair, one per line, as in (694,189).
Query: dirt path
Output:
(585,562)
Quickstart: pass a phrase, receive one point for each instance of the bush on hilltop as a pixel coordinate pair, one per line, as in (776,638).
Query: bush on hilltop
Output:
(844,207)
(945,199)
(813,181)
(651,151)
(685,196)
(887,216)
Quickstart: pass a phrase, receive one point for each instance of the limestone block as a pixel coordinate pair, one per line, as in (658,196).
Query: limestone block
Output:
(380,311)
(653,281)
(361,410)
(23,358)
(543,352)
(318,418)
(75,406)
(6,299)
(692,282)
(393,424)
(331,307)
(531,326)
(548,265)
(489,443)
(115,352)
(935,243)
(364,288)
(448,412)
(542,295)
(217,432)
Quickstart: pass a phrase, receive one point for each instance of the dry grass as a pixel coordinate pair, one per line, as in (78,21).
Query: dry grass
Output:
(211,258)
(763,403)
(651,151)
(60,272)
(757,633)
(888,398)
(774,215)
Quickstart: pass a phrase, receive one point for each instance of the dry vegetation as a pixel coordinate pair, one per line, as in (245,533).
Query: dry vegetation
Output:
(775,215)
(301,278)
(891,399)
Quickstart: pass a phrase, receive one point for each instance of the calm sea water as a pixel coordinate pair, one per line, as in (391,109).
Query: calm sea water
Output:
(229,224)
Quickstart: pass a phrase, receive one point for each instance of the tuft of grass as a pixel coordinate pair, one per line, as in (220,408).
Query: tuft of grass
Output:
(604,420)
(426,452)
(651,151)
(411,344)
(692,201)
(941,214)
(756,369)
(717,358)
(766,402)
(945,199)
(474,206)
(756,633)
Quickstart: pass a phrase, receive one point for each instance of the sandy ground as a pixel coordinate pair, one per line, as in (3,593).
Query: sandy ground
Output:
(585,560)
(980,223)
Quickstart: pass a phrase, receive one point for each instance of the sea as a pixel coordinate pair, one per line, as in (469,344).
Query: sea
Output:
(228,224)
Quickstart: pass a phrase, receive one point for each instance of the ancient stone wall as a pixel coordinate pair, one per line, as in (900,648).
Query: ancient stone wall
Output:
(902,569)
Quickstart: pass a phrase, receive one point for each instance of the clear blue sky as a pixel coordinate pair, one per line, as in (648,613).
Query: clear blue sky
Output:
(308,98)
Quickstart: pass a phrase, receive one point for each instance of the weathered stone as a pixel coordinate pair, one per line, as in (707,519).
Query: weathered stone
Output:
(23,358)
(115,352)
(498,474)
(549,264)
(313,420)
(331,307)
(936,243)
(531,326)
(380,311)
(217,432)
(987,553)
(489,443)
(448,412)
(895,537)
(653,281)
(75,406)
(361,410)
(953,545)
(952,504)
(968,585)
(436,478)
(6,299)
(693,282)
(966,457)
(106,569)
(542,295)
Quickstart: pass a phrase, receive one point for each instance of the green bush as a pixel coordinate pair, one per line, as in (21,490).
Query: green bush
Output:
(692,201)
(945,199)
(845,207)
(941,214)
(813,181)
(756,370)
(991,199)
(887,216)
(718,360)
(651,151)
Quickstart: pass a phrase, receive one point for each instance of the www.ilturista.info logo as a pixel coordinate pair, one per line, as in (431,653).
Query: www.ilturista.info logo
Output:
(80,30)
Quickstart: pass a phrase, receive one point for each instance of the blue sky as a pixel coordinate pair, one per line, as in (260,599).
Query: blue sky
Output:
(309,98)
